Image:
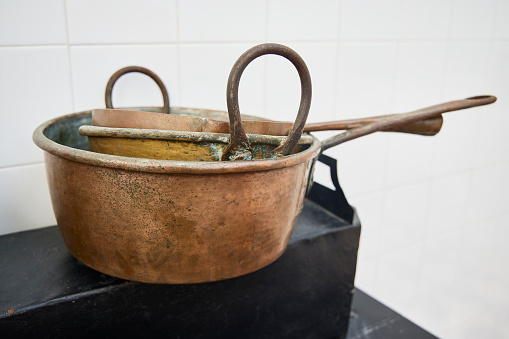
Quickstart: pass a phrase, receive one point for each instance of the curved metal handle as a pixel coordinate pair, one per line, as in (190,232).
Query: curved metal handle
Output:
(136,69)
(399,119)
(239,147)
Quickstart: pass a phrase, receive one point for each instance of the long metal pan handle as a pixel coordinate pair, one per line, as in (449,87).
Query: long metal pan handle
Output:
(398,119)
(136,69)
(239,147)
(429,127)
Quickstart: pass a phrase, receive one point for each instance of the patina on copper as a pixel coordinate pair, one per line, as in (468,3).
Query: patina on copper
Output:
(163,221)
(176,145)
(201,120)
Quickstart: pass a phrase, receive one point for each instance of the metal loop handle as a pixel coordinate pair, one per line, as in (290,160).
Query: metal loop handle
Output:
(136,69)
(239,147)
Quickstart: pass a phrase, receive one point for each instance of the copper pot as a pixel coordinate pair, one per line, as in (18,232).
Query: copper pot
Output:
(162,221)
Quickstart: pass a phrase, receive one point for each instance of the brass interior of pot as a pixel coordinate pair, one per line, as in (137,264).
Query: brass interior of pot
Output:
(65,132)
(171,150)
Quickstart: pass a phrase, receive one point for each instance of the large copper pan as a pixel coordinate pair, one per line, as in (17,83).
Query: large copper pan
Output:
(202,120)
(162,221)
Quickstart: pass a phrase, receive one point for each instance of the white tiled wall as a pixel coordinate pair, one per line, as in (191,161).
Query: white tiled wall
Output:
(434,210)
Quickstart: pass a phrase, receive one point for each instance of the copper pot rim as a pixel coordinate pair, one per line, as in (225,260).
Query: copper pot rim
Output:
(164,166)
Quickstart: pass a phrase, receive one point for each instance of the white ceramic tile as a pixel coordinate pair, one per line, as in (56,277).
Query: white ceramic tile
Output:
(34,87)
(409,158)
(504,201)
(25,201)
(221,20)
(431,311)
(439,259)
(455,145)
(365,79)
(300,20)
(204,80)
(92,66)
(492,286)
(370,19)
(448,198)
(486,191)
(32,22)
(479,295)
(476,248)
(404,216)
(501,30)
(425,19)
(500,248)
(419,75)
(498,317)
(465,74)
(398,275)
(473,19)
(369,208)
(122,21)
(467,302)
(481,326)
(498,73)
(322,175)
(361,163)
(283,83)
(492,143)
(365,275)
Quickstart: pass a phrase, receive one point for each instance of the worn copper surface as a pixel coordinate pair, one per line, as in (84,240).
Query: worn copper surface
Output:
(163,221)
(398,119)
(199,120)
(239,147)
(428,127)
(176,145)
(213,121)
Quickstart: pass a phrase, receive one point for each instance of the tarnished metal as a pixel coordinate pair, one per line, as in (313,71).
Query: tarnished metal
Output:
(176,145)
(136,69)
(428,127)
(398,119)
(201,120)
(239,147)
(216,121)
(163,221)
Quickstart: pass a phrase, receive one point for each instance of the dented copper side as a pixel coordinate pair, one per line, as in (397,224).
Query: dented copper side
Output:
(162,221)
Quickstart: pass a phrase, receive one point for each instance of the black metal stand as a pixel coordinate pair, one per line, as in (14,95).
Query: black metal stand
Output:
(307,293)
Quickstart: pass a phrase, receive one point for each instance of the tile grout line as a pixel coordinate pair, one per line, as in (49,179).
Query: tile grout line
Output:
(200,42)
(433,158)
(266,65)
(494,29)
(440,176)
(73,99)
(335,107)
(22,165)
(179,65)
(383,189)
